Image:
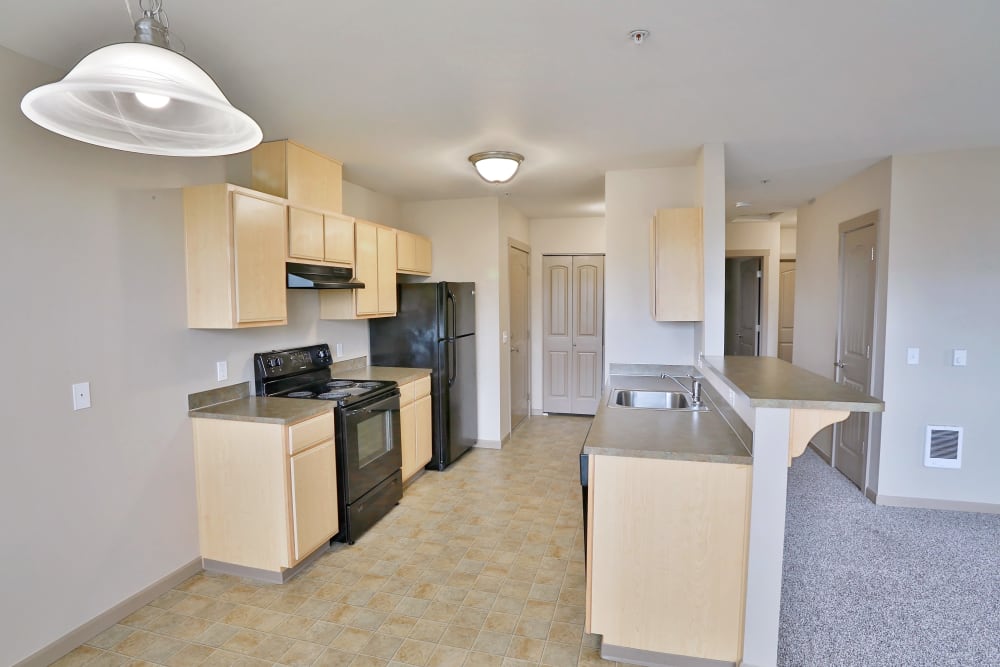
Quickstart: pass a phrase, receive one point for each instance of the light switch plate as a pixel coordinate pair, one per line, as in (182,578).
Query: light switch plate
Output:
(959,357)
(340,349)
(81,396)
(913,356)
(221,370)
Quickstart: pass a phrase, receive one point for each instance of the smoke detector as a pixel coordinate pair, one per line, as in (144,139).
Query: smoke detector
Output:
(638,36)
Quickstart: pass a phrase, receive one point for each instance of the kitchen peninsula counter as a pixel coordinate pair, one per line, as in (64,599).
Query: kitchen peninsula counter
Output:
(769,382)
(684,435)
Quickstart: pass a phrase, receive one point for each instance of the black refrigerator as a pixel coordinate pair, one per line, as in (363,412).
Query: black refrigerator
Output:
(435,327)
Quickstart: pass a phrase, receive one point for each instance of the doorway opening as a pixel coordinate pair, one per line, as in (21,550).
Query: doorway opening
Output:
(745,302)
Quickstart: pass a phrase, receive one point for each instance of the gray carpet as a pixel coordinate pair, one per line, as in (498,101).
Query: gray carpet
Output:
(869,586)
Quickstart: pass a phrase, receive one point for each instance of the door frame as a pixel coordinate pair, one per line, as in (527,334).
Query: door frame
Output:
(765,295)
(523,247)
(873,219)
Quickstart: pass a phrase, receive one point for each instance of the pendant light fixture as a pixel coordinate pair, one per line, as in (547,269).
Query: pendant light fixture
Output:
(496,166)
(143,97)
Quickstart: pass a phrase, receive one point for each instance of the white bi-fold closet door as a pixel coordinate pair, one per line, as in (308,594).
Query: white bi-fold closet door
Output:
(573,333)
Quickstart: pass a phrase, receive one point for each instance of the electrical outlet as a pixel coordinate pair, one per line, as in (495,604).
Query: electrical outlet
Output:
(913,356)
(340,349)
(81,396)
(959,357)
(221,370)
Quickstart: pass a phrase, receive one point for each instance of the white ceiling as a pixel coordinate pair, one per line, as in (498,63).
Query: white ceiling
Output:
(803,94)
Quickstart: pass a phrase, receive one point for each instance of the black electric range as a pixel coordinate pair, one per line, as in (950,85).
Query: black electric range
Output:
(367,430)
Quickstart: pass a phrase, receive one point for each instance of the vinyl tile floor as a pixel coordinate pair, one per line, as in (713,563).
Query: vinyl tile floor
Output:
(482,564)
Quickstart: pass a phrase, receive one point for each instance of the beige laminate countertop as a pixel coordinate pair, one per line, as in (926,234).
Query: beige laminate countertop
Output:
(264,410)
(280,410)
(662,434)
(773,383)
(393,373)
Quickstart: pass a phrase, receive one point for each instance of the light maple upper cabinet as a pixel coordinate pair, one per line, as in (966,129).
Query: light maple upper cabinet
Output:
(235,245)
(267,493)
(375,266)
(413,254)
(677,265)
(320,238)
(415,425)
(299,174)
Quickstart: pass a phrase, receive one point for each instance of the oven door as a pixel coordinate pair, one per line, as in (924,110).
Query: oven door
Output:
(371,440)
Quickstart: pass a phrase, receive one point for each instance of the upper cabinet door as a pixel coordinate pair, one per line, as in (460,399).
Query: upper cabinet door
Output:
(305,234)
(259,254)
(366,267)
(677,260)
(386,271)
(299,174)
(339,240)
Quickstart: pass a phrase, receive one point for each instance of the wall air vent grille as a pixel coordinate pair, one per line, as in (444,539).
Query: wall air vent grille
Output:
(943,447)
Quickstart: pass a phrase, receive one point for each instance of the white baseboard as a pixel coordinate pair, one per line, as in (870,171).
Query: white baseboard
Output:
(74,638)
(488,444)
(937,504)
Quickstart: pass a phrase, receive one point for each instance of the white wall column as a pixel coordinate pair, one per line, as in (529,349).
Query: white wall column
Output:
(767,537)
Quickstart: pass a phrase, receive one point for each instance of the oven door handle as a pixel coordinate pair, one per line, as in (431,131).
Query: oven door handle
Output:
(389,401)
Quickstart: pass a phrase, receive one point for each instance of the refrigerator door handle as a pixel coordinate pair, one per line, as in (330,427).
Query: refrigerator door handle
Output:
(452,361)
(451,333)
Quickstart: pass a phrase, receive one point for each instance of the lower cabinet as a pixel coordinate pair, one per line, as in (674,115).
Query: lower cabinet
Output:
(267,493)
(415,425)
(667,556)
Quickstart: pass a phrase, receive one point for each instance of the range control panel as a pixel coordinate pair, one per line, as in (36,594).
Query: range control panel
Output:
(292,362)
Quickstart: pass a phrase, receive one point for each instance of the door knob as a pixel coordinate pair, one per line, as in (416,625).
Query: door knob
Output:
(839,364)
(514,348)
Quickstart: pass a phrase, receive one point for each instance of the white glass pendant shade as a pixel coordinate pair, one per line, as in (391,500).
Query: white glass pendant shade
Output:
(144,99)
(496,166)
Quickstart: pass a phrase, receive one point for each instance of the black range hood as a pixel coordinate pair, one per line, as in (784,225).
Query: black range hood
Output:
(314,276)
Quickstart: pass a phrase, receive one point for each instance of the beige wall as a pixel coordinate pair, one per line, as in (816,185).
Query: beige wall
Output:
(942,295)
(631,200)
(817,279)
(100,503)
(556,236)
(711,196)
(762,236)
(788,236)
(465,235)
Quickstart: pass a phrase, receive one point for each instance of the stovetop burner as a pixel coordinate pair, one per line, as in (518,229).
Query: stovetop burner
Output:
(340,384)
(301,394)
(334,395)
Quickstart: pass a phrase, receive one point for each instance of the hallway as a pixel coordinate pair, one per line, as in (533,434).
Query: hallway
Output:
(479,565)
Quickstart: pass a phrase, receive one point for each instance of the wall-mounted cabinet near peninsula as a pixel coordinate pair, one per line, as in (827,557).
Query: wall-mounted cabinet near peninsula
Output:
(235,248)
(301,175)
(375,266)
(321,238)
(677,265)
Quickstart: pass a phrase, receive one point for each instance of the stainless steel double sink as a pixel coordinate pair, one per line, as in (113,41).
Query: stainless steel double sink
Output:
(654,399)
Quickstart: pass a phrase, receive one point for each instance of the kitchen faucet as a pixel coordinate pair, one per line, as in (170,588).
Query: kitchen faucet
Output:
(695,390)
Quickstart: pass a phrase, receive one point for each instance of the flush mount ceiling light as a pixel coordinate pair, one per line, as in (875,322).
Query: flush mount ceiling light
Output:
(496,166)
(143,97)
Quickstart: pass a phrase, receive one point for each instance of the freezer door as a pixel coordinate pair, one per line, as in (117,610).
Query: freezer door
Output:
(460,309)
